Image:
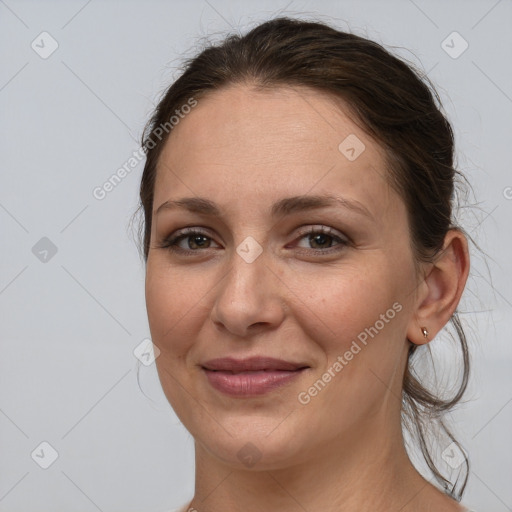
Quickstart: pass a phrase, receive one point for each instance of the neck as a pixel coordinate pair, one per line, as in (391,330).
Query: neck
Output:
(364,470)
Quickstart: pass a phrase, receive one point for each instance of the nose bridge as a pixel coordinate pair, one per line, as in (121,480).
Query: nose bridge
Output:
(247,294)
(247,272)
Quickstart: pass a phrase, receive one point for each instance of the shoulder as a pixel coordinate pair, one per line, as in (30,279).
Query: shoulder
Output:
(184,508)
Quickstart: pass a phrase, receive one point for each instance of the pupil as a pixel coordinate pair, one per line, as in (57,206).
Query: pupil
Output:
(319,237)
(198,240)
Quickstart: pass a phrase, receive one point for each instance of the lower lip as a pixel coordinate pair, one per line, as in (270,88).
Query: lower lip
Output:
(250,383)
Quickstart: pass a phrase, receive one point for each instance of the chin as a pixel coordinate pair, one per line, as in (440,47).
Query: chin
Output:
(261,445)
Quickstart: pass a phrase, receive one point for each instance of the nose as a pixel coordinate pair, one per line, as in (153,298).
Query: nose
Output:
(249,298)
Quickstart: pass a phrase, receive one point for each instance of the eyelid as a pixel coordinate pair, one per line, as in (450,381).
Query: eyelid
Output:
(183,233)
(326,230)
(341,241)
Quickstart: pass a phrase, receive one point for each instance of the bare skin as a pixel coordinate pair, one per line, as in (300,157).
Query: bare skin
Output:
(304,298)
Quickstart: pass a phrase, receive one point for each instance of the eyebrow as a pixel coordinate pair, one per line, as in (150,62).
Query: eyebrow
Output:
(281,208)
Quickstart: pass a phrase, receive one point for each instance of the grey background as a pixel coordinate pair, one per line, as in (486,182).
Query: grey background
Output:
(70,324)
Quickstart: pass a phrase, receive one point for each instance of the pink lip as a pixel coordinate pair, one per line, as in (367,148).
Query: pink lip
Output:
(252,376)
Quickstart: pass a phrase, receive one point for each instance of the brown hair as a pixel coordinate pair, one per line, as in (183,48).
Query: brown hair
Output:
(393,102)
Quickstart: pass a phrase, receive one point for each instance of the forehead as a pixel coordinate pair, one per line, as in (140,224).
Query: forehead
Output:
(245,145)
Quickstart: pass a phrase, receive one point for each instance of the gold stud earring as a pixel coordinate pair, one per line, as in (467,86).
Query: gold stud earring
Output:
(425,332)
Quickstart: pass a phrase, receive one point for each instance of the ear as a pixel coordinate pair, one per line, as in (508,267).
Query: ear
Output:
(440,292)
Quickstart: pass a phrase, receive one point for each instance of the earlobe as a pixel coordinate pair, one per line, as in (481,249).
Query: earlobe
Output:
(443,287)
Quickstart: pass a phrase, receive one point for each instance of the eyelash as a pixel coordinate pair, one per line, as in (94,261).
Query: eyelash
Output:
(170,243)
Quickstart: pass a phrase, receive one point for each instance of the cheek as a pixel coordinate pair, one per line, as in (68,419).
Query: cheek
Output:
(348,302)
(362,343)
(171,303)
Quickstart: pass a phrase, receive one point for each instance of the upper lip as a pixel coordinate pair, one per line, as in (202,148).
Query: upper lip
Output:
(251,364)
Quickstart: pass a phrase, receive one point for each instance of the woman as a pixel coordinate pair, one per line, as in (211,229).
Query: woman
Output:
(300,247)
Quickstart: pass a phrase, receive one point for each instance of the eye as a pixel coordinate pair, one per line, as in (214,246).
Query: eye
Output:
(322,238)
(319,238)
(194,239)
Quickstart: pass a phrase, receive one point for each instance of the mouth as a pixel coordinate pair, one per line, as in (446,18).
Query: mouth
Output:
(250,377)
(252,364)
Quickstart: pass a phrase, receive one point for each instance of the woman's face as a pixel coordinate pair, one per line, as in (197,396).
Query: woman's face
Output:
(260,279)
